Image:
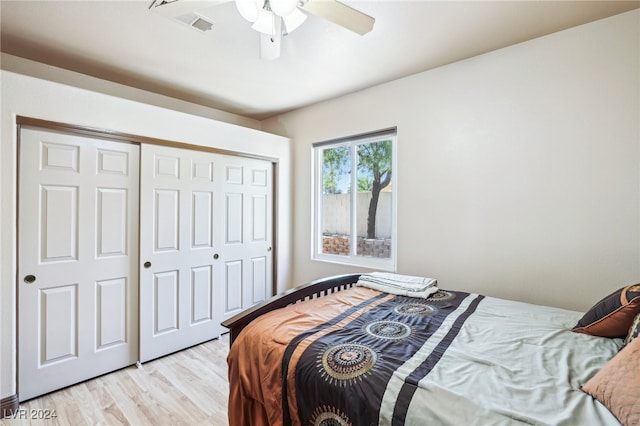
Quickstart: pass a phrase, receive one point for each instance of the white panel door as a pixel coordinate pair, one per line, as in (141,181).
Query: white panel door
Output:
(178,210)
(205,244)
(78,259)
(246,251)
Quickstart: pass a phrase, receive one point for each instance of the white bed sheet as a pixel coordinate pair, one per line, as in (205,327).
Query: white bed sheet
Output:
(515,363)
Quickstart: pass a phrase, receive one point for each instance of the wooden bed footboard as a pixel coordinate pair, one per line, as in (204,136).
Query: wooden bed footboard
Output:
(311,290)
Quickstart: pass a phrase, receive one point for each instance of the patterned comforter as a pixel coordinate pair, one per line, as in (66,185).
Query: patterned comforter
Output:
(361,357)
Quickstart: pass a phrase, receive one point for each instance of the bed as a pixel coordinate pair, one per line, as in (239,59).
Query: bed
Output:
(335,353)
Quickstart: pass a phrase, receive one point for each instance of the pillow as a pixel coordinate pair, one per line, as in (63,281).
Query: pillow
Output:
(617,385)
(634,330)
(613,315)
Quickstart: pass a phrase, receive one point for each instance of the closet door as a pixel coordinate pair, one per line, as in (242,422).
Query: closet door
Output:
(205,244)
(177,293)
(246,251)
(78,259)
(179,275)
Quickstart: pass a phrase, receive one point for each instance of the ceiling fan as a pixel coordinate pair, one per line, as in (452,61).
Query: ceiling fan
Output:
(273,19)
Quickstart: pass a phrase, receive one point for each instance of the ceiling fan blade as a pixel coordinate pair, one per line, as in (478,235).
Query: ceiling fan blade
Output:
(341,14)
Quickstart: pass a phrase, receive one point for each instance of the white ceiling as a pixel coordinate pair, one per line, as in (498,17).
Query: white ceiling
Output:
(123,41)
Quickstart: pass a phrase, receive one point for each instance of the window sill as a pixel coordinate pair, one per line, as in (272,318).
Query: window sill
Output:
(388,265)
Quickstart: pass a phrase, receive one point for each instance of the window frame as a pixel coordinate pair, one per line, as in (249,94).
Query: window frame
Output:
(353,259)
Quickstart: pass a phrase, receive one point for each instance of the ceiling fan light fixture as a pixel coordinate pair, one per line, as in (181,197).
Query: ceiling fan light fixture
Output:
(293,20)
(265,22)
(274,19)
(283,7)
(249,9)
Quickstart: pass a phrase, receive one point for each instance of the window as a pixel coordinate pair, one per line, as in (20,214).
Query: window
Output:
(354,200)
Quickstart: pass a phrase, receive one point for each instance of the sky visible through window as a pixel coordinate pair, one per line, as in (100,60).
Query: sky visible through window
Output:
(337,171)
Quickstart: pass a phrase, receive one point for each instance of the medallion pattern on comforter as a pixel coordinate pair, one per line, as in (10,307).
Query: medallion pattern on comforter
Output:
(353,357)
(342,377)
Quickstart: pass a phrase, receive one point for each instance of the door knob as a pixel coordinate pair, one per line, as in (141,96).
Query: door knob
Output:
(216,256)
(29,279)
(269,248)
(147,264)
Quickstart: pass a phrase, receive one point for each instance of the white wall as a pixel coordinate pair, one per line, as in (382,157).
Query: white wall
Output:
(518,169)
(38,98)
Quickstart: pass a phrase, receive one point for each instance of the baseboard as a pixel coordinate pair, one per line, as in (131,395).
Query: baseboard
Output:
(9,406)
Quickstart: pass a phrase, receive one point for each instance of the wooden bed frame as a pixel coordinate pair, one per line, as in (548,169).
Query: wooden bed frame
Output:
(311,290)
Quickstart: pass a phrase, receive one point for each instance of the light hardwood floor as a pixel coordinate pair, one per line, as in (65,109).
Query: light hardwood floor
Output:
(186,388)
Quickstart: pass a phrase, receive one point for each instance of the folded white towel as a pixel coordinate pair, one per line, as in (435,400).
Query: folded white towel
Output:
(404,285)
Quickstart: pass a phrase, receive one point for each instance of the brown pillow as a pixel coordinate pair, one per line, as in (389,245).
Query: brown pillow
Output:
(613,315)
(634,331)
(617,384)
